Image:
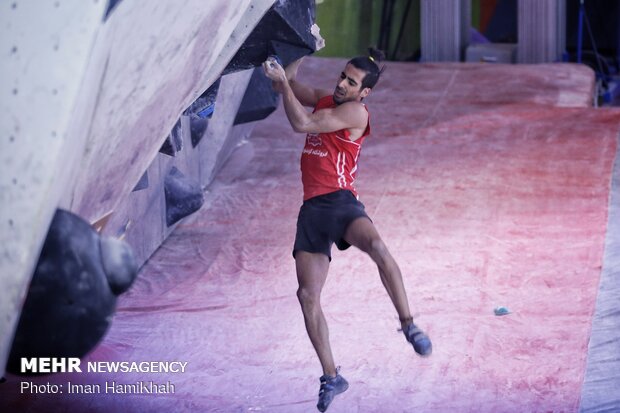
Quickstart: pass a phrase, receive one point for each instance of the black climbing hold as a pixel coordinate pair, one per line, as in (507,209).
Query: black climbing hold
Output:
(72,295)
(174,141)
(287,52)
(288,22)
(183,196)
(259,100)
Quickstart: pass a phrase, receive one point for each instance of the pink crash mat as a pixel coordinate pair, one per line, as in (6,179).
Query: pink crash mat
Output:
(489,184)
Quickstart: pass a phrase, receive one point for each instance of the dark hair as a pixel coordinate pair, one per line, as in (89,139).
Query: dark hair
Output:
(370,65)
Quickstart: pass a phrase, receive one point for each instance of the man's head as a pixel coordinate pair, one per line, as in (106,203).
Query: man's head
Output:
(360,75)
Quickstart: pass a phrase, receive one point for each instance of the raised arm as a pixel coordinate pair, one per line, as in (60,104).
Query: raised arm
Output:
(350,115)
(306,95)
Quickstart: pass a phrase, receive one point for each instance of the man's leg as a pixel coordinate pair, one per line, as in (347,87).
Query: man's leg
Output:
(311,274)
(363,234)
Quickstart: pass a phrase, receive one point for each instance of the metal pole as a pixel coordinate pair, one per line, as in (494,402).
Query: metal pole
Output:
(580,31)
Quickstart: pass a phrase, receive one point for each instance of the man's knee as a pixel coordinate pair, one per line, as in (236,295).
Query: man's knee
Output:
(307,297)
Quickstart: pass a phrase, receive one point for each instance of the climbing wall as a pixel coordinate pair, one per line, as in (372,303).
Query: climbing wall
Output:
(122,112)
(46,48)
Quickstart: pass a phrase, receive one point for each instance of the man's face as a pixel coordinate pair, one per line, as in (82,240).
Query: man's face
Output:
(349,87)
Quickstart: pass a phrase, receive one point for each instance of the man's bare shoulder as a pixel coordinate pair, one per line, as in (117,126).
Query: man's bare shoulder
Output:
(353,113)
(354,104)
(353,108)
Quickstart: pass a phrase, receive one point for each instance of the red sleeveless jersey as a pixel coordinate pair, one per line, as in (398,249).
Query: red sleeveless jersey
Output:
(329,160)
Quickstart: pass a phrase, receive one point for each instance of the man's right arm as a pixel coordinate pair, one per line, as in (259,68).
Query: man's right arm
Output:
(349,115)
(307,95)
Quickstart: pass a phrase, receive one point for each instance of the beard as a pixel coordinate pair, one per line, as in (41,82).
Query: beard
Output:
(339,97)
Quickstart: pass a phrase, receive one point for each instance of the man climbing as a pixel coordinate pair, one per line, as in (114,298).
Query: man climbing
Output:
(331,212)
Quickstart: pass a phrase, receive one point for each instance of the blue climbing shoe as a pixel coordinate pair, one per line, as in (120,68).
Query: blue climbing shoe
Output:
(420,341)
(330,387)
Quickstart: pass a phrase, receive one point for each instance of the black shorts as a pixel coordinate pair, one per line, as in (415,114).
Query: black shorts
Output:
(324,219)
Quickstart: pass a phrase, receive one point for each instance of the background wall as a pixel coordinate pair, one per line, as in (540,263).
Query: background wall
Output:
(350,26)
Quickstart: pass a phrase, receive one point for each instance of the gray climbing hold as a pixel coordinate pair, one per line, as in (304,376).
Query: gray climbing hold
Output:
(118,263)
(183,196)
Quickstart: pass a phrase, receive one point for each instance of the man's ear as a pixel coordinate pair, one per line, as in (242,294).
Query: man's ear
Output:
(365,92)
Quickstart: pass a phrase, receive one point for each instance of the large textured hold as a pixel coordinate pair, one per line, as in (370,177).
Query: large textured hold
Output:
(259,101)
(183,196)
(73,292)
(286,22)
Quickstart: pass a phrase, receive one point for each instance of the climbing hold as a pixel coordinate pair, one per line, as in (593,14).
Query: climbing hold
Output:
(287,22)
(501,311)
(174,142)
(183,196)
(259,100)
(72,295)
(143,183)
(201,111)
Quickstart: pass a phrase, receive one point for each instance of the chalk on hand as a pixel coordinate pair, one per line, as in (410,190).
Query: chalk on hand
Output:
(274,57)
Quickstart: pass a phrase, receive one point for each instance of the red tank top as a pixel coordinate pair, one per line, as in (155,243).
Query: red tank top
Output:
(329,160)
